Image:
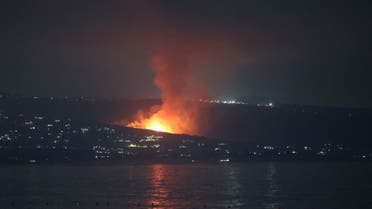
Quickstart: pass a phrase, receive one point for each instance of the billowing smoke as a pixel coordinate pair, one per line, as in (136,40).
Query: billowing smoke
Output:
(180,81)
(177,81)
(183,57)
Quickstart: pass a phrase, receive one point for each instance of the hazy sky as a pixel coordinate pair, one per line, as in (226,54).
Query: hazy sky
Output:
(309,52)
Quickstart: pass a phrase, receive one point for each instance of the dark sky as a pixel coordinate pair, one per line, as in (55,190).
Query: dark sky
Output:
(307,52)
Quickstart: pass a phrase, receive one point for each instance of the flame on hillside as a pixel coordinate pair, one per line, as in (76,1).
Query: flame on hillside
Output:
(177,114)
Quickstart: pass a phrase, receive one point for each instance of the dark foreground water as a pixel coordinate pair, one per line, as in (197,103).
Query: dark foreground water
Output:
(250,185)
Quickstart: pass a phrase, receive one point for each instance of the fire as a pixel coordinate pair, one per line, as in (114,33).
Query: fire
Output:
(173,117)
(177,114)
(184,58)
(155,122)
(157,125)
(177,118)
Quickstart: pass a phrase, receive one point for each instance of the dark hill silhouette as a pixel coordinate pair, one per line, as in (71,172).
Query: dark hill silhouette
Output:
(292,124)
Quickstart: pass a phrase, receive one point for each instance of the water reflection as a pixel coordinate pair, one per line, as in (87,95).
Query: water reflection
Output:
(271,196)
(193,186)
(159,192)
(187,186)
(233,187)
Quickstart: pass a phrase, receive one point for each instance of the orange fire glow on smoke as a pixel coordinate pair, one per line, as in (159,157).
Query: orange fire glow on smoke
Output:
(185,60)
(153,123)
(158,126)
(177,114)
(171,118)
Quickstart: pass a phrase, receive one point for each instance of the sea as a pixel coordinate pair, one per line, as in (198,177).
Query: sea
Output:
(253,185)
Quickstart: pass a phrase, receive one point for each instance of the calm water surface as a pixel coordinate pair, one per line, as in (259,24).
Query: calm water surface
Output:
(250,185)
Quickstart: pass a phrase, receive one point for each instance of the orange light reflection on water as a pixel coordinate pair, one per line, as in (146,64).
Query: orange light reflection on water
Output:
(160,194)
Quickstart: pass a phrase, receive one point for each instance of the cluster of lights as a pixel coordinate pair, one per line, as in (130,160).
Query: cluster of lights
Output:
(216,101)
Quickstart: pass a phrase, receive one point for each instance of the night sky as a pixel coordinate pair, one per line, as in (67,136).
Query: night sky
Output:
(302,52)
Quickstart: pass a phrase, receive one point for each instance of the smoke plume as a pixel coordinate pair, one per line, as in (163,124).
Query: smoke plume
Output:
(182,57)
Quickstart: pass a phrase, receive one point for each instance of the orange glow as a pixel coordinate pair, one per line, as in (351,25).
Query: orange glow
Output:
(157,125)
(178,114)
(156,122)
(184,58)
(160,192)
(173,117)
